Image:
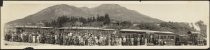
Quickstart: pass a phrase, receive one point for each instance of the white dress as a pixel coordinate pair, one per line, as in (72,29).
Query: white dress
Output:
(38,39)
(33,39)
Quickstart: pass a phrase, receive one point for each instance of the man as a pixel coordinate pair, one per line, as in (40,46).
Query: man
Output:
(100,41)
(86,38)
(60,38)
(42,38)
(77,40)
(127,40)
(30,38)
(90,40)
(65,39)
(74,40)
(47,38)
(108,40)
(15,37)
(12,36)
(25,36)
(135,41)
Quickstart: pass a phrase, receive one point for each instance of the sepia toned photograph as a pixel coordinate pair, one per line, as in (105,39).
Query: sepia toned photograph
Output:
(101,25)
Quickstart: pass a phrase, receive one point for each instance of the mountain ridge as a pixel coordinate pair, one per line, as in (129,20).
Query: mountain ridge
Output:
(115,11)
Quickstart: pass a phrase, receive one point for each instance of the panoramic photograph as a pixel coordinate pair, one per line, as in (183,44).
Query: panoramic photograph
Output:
(105,24)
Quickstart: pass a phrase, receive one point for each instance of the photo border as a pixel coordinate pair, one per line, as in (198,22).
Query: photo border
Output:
(114,0)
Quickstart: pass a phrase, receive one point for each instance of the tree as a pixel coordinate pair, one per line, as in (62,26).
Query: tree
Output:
(100,18)
(106,19)
(83,20)
(59,22)
(203,27)
(125,24)
(62,20)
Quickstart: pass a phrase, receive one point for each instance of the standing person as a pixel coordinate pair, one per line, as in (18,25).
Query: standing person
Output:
(30,37)
(53,38)
(123,40)
(70,39)
(65,39)
(86,39)
(25,37)
(60,38)
(132,40)
(96,40)
(16,38)
(80,40)
(8,36)
(116,40)
(100,40)
(42,38)
(33,39)
(22,37)
(135,41)
(138,41)
(104,41)
(119,40)
(74,40)
(50,38)
(12,36)
(77,40)
(90,41)
(38,38)
(47,38)
(112,40)
(108,40)
(142,40)
(56,38)
(127,40)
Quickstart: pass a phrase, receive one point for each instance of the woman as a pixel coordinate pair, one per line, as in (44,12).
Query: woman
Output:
(123,40)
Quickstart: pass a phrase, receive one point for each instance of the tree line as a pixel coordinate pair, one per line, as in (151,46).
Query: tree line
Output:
(78,21)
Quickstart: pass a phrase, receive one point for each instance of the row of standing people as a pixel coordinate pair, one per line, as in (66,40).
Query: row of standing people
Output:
(68,38)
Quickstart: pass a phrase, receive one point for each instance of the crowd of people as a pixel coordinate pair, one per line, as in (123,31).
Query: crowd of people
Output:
(76,38)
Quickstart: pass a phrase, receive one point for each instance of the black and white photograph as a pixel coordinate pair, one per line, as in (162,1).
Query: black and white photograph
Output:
(108,24)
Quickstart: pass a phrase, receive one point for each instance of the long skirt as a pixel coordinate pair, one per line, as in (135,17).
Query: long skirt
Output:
(34,39)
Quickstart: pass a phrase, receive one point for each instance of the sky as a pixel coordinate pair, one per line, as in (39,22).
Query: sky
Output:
(176,11)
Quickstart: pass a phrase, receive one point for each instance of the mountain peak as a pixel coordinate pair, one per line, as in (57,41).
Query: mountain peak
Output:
(62,6)
(110,6)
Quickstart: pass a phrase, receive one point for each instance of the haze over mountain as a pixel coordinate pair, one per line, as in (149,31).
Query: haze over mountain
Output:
(115,11)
